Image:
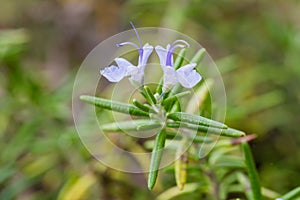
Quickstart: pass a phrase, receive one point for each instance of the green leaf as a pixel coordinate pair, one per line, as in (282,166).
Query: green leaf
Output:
(196,139)
(229,132)
(150,95)
(159,87)
(154,125)
(290,195)
(195,119)
(198,56)
(156,156)
(132,125)
(180,58)
(143,93)
(114,105)
(168,102)
(140,105)
(252,173)
(151,109)
(176,107)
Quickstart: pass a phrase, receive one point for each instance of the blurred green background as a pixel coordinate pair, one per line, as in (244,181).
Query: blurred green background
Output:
(256,45)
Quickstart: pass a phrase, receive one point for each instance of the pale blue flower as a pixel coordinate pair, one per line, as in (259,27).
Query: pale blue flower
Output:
(125,68)
(186,75)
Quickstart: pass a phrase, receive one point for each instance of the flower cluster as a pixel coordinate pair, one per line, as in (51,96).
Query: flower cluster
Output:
(186,75)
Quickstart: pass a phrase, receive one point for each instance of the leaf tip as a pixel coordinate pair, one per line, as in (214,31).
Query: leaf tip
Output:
(150,184)
(83,97)
(87,98)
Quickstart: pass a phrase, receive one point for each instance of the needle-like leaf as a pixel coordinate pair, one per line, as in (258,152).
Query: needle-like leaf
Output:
(140,105)
(170,100)
(150,95)
(195,119)
(179,60)
(132,125)
(198,56)
(114,105)
(229,132)
(194,138)
(156,156)
(159,86)
(252,173)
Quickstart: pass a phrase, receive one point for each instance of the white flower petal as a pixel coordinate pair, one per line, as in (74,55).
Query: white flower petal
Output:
(129,67)
(187,68)
(187,76)
(131,70)
(162,54)
(137,79)
(114,73)
(123,63)
(169,78)
(136,72)
(147,50)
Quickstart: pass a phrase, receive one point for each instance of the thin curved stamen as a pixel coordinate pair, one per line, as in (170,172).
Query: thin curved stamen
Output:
(175,45)
(170,53)
(182,41)
(139,48)
(141,51)
(128,43)
(137,35)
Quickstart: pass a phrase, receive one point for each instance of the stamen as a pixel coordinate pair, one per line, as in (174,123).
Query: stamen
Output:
(128,43)
(175,45)
(137,35)
(139,48)
(182,41)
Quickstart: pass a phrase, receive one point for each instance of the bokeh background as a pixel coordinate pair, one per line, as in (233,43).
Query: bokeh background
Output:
(256,45)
